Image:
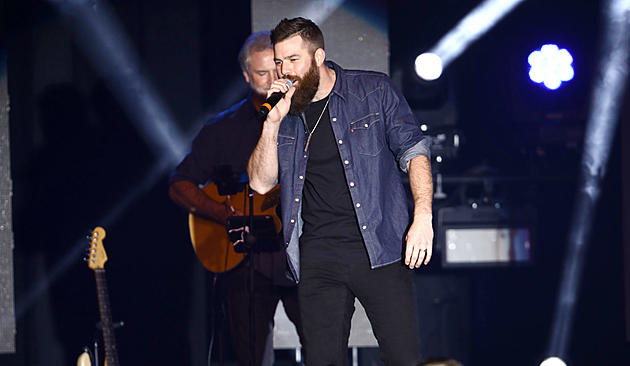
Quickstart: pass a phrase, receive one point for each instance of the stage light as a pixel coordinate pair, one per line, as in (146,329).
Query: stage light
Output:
(553,361)
(424,127)
(428,66)
(479,21)
(104,43)
(110,52)
(318,11)
(606,101)
(154,174)
(550,66)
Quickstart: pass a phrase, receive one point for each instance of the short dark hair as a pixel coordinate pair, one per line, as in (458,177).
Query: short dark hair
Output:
(302,27)
(256,42)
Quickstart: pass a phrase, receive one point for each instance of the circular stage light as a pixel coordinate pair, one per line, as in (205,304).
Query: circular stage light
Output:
(553,361)
(428,66)
(550,66)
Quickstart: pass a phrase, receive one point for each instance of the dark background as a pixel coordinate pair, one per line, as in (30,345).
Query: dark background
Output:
(76,155)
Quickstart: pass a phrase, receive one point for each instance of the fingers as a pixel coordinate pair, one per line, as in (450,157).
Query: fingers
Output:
(290,93)
(280,110)
(414,255)
(417,257)
(411,256)
(279,85)
(428,255)
(417,253)
(408,252)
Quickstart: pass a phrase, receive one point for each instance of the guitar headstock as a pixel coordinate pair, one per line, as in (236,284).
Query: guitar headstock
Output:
(96,254)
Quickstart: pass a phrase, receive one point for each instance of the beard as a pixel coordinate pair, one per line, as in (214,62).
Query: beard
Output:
(305,90)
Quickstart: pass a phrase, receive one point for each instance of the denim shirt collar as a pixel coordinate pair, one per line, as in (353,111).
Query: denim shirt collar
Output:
(341,87)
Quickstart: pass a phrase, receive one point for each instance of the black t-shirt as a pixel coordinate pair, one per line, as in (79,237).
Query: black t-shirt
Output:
(327,208)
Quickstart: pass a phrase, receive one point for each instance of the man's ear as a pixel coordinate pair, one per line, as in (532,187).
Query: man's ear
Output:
(320,56)
(246,76)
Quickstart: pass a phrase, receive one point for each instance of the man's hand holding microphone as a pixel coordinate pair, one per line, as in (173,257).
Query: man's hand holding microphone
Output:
(278,101)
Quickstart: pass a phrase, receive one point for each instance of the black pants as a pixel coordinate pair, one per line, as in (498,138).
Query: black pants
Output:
(266,297)
(331,276)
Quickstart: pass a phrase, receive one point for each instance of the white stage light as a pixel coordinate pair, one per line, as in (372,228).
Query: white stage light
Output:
(428,66)
(553,361)
(550,66)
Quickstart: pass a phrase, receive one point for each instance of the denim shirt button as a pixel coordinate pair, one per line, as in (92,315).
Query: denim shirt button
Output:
(297,199)
(301,177)
(358,205)
(364,227)
(334,119)
(292,220)
(346,162)
(351,184)
(340,142)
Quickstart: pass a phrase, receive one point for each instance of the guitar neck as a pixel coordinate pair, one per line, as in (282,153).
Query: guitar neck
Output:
(111,352)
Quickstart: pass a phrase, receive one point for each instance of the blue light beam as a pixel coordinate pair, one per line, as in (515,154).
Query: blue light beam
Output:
(71,258)
(105,45)
(477,23)
(601,125)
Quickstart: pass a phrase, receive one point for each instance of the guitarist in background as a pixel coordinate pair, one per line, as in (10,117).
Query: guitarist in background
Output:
(227,140)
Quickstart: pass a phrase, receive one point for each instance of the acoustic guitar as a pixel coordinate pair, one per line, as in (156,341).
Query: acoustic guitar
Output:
(96,261)
(210,239)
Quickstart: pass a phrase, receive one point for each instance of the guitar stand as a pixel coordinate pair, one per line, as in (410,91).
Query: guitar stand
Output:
(250,240)
(250,234)
(216,319)
(253,246)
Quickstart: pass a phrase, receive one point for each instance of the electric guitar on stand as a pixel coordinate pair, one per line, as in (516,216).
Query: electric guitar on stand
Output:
(210,239)
(96,261)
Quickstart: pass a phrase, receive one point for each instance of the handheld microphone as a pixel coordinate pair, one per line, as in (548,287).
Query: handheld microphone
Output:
(271,102)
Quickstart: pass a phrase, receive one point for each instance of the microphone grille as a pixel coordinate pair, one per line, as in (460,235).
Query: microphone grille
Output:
(289,83)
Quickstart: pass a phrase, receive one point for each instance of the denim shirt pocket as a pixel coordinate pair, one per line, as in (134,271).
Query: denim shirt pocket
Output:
(367,134)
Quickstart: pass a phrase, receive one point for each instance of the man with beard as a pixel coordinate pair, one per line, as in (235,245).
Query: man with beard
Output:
(224,144)
(337,143)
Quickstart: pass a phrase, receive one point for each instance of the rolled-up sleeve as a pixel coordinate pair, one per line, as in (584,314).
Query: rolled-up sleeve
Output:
(404,135)
(421,148)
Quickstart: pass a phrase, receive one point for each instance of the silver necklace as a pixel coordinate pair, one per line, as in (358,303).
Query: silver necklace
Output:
(310,134)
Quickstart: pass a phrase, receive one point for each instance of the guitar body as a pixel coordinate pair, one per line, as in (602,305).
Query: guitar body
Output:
(210,239)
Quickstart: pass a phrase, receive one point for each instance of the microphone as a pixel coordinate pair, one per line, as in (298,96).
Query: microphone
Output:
(271,102)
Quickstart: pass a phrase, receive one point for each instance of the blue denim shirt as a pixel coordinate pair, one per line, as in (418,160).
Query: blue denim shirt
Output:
(377,135)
